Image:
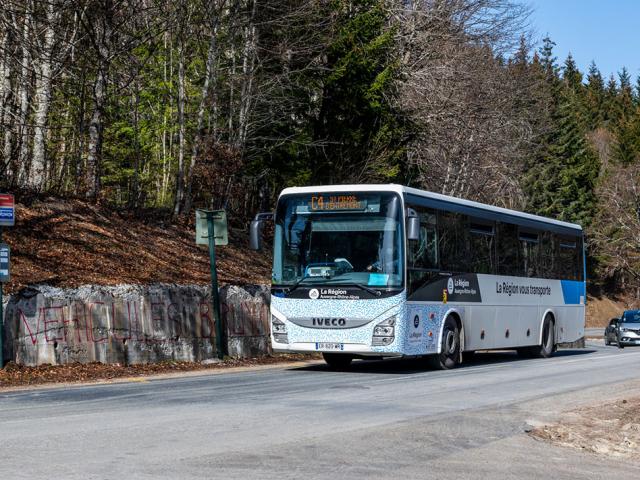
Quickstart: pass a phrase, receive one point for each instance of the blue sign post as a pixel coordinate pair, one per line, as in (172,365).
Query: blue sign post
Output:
(7,210)
(5,260)
(7,219)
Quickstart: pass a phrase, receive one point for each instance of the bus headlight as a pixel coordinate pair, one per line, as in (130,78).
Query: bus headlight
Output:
(384,332)
(279,330)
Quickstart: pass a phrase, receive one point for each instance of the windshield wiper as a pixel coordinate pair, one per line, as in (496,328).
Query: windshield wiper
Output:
(295,285)
(376,293)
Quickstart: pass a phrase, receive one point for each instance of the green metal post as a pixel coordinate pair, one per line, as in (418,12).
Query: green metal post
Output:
(215,296)
(1,319)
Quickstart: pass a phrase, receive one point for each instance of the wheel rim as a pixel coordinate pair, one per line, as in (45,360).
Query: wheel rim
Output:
(451,342)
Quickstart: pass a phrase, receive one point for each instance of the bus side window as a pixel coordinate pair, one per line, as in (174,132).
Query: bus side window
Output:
(509,250)
(483,252)
(568,259)
(422,254)
(530,252)
(547,256)
(453,242)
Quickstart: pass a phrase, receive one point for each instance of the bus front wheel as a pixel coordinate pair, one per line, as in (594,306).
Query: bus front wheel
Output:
(337,361)
(449,356)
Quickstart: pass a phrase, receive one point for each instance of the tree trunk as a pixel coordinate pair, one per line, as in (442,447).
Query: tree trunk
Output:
(134,197)
(181,131)
(6,106)
(36,178)
(94,156)
(23,95)
(248,63)
(104,38)
(209,72)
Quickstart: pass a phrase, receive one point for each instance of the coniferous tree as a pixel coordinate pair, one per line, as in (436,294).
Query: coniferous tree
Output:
(611,100)
(572,83)
(561,181)
(574,162)
(594,98)
(625,149)
(571,75)
(360,133)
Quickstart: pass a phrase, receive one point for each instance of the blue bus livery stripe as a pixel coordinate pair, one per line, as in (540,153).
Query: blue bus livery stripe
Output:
(572,291)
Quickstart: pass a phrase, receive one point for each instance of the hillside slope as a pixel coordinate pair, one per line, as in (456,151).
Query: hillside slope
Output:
(67,243)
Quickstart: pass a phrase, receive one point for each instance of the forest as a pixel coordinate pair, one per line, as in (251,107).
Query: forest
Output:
(172,105)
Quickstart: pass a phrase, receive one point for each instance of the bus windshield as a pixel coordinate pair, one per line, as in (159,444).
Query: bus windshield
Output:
(339,239)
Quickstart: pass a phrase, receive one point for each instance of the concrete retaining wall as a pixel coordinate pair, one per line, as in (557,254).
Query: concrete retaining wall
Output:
(133,324)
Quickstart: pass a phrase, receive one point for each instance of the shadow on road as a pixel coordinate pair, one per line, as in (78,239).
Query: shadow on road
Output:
(407,366)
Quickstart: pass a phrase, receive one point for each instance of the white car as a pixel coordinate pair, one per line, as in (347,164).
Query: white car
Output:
(628,331)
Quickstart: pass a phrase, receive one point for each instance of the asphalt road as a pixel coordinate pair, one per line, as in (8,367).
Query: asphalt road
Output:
(382,420)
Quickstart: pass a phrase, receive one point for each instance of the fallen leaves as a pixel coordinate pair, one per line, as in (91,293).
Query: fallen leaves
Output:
(14,375)
(68,243)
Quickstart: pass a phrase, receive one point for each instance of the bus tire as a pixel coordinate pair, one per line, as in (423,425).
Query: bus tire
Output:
(548,345)
(337,361)
(449,356)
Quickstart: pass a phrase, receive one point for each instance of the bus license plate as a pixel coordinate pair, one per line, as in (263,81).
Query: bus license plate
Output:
(329,346)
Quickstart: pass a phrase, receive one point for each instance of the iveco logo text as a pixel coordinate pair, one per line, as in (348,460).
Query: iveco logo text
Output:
(328,322)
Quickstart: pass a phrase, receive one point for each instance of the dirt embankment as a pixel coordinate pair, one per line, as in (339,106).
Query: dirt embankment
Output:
(601,310)
(68,243)
(611,429)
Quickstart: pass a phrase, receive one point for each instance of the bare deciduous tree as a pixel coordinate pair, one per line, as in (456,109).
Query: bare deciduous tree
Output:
(462,99)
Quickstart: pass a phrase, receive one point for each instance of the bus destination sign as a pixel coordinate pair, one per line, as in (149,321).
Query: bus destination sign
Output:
(326,203)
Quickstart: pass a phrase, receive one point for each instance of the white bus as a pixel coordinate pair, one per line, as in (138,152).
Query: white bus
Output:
(387,271)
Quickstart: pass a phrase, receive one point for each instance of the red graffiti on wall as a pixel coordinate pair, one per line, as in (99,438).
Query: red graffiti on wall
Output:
(100,322)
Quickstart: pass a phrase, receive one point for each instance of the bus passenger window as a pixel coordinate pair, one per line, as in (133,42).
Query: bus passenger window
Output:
(547,256)
(422,254)
(568,258)
(483,257)
(453,242)
(530,252)
(509,250)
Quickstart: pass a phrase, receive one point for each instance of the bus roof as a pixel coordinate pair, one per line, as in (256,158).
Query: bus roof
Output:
(400,189)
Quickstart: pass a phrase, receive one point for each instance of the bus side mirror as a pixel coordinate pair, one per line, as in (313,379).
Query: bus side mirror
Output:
(413,225)
(255,230)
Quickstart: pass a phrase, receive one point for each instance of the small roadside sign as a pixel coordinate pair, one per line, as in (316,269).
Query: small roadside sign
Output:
(221,235)
(211,230)
(7,210)
(5,261)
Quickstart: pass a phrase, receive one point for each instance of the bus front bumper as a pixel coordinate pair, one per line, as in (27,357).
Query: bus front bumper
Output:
(332,347)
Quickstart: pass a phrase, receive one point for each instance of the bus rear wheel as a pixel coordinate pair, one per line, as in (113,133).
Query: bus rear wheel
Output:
(548,345)
(449,356)
(337,361)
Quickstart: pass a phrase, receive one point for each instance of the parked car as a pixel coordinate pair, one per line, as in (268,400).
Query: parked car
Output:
(611,332)
(628,329)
